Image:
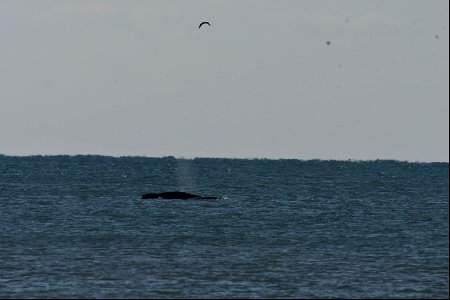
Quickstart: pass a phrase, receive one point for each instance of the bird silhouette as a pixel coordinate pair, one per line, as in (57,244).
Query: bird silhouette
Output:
(202,23)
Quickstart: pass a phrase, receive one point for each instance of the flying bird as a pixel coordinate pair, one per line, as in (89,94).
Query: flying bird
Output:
(202,23)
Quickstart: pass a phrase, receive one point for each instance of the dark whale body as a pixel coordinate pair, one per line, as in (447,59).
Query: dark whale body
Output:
(176,195)
(203,23)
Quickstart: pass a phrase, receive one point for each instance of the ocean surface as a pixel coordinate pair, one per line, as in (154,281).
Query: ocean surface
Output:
(76,227)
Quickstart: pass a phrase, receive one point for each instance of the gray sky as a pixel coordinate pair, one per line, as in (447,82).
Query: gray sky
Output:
(140,78)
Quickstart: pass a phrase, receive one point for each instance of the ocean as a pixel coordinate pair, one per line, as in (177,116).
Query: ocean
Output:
(76,227)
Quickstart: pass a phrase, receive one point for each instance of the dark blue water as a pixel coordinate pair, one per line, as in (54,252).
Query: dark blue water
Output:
(76,227)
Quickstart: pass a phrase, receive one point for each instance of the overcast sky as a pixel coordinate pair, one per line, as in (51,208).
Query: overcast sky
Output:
(139,78)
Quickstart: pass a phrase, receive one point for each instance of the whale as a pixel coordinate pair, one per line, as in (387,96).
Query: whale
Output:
(177,195)
(203,23)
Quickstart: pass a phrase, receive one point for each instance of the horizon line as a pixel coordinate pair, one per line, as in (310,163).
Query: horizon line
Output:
(221,157)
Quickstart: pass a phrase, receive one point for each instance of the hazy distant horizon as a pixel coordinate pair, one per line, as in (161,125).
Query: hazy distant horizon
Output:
(358,80)
(204,157)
